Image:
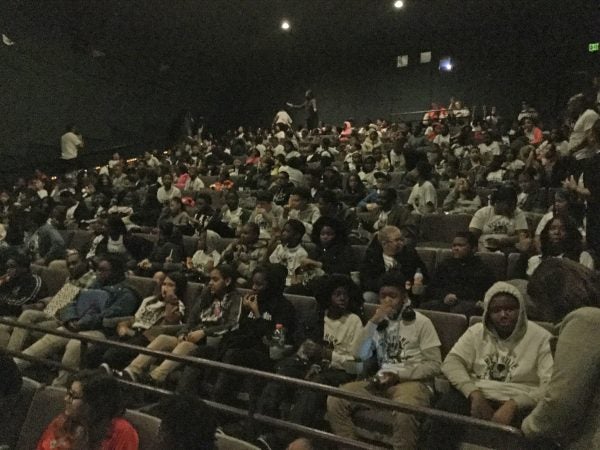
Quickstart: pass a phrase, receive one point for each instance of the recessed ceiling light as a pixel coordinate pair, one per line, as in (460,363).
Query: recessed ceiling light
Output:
(398,4)
(285,25)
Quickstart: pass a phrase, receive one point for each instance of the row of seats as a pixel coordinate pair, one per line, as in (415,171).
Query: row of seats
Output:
(449,326)
(432,252)
(34,407)
(373,425)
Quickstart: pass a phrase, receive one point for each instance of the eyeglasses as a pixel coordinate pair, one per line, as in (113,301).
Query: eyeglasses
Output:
(73,396)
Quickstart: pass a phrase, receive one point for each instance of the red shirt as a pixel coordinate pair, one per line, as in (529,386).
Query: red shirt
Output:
(122,436)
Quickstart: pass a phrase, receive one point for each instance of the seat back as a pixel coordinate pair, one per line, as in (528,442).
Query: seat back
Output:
(448,326)
(429,258)
(359,252)
(144,286)
(225,442)
(515,267)
(192,292)
(496,262)
(147,427)
(441,228)
(52,279)
(67,235)
(190,245)
(307,315)
(13,411)
(81,241)
(47,403)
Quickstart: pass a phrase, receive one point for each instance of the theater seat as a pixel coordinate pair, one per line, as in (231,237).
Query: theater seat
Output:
(496,262)
(449,326)
(438,230)
(13,411)
(81,241)
(225,442)
(48,402)
(190,245)
(428,256)
(192,292)
(143,285)
(52,279)
(376,425)
(147,427)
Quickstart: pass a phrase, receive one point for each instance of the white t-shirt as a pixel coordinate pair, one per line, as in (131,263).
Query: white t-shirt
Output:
(342,334)
(439,140)
(194,185)
(492,224)
(68,145)
(420,196)
(493,148)
(582,125)
(290,258)
(585,259)
(283,117)
(163,195)
(400,346)
(233,218)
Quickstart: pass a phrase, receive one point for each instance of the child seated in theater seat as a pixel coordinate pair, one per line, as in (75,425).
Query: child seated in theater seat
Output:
(322,360)
(498,369)
(290,252)
(460,282)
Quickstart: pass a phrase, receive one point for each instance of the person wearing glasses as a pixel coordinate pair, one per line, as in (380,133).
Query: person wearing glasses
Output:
(92,417)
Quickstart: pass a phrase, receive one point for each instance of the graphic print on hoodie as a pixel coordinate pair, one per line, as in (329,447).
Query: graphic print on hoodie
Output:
(518,367)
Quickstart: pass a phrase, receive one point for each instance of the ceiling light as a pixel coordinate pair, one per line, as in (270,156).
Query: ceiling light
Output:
(398,4)
(285,25)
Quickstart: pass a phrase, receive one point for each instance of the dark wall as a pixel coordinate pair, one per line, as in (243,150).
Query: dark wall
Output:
(49,79)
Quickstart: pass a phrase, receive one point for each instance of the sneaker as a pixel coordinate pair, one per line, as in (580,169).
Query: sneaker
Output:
(106,368)
(128,375)
(263,443)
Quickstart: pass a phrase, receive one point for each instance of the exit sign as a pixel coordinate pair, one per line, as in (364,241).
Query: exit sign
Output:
(594,47)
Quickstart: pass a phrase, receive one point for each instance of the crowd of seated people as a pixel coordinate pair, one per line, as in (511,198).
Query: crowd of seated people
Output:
(320,213)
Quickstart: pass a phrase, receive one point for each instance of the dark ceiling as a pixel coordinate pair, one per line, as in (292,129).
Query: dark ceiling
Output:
(214,37)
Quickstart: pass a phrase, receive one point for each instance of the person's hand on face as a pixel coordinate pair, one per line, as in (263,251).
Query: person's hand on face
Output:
(382,312)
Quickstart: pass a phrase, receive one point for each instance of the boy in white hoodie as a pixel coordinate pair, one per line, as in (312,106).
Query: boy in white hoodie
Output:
(499,368)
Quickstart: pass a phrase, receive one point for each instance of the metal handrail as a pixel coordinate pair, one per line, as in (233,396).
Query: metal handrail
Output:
(334,391)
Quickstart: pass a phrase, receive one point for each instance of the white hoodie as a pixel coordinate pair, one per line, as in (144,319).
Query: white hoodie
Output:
(516,368)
